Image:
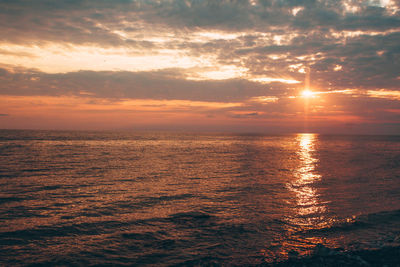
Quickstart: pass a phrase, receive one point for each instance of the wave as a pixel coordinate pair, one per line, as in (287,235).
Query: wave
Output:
(367,221)
(323,256)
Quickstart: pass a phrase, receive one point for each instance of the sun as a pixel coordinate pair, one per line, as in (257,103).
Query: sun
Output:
(307,93)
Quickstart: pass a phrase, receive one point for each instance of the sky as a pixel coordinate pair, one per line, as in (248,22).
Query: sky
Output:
(198,65)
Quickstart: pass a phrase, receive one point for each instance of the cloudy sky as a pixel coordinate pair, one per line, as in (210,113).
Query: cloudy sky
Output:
(238,66)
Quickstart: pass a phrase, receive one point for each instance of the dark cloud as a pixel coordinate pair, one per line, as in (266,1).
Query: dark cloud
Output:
(244,115)
(160,85)
(366,61)
(96,21)
(76,22)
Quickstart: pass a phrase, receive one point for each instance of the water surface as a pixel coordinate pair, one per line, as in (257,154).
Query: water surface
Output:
(89,198)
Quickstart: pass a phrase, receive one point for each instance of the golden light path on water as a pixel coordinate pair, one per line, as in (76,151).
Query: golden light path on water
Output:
(306,194)
(309,212)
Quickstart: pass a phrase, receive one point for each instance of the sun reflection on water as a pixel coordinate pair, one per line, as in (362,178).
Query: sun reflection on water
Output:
(308,212)
(306,194)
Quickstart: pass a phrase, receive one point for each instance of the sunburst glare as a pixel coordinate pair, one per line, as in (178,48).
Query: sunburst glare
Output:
(307,93)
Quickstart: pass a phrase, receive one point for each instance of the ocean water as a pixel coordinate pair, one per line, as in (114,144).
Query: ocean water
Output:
(163,199)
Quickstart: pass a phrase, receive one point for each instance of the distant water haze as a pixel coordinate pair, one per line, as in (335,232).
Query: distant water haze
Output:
(117,198)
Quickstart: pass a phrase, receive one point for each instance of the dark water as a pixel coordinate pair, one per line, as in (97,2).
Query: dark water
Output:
(87,198)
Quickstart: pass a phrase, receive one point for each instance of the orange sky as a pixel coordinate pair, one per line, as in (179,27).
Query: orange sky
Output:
(203,66)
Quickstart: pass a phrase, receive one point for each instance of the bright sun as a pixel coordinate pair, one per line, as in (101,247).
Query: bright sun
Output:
(307,93)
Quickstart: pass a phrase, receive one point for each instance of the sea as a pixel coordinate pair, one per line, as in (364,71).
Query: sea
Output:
(76,198)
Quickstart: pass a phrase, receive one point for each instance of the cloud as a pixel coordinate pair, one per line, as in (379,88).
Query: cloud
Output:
(243,115)
(15,53)
(164,84)
(103,21)
(264,37)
